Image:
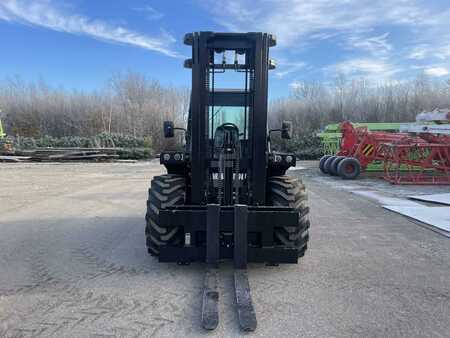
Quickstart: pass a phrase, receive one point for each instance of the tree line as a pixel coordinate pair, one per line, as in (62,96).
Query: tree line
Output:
(312,105)
(131,104)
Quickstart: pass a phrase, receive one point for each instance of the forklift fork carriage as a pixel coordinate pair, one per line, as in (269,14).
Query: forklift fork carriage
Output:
(241,220)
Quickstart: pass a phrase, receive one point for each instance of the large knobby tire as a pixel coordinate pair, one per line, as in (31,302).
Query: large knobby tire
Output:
(165,191)
(288,191)
(334,164)
(349,168)
(327,165)
(322,163)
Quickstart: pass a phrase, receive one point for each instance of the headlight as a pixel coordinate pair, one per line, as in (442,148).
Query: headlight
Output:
(289,159)
(166,157)
(277,158)
(177,157)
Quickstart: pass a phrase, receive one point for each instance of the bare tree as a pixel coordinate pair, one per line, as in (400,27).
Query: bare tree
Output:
(313,105)
(132,104)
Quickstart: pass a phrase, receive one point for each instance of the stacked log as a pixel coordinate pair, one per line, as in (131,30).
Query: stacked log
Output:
(61,155)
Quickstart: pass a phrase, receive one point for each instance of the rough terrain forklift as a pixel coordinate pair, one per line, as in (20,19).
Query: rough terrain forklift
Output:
(227,195)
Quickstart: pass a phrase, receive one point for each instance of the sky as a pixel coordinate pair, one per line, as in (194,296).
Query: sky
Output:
(79,44)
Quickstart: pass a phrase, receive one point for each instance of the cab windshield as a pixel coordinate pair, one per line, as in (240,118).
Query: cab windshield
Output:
(226,114)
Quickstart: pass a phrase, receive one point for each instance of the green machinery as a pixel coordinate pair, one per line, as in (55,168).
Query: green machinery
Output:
(331,137)
(5,143)
(2,134)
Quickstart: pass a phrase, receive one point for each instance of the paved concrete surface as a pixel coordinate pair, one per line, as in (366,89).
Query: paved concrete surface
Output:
(73,263)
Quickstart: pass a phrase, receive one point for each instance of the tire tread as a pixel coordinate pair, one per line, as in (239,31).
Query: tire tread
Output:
(165,190)
(291,192)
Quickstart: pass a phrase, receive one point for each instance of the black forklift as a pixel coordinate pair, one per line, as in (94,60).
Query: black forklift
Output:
(227,195)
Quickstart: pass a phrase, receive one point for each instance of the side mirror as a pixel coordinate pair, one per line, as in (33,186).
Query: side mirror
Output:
(168,129)
(286,130)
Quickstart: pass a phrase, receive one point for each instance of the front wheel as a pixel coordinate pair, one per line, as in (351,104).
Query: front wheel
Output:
(165,191)
(286,191)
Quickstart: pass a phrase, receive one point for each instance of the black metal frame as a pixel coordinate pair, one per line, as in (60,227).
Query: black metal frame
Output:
(240,220)
(256,46)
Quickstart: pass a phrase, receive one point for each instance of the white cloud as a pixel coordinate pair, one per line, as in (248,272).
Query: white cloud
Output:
(439,51)
(418,53)
(295,20)
(45,14)
(375,45)
(3,15)
(443,52)
(287,68)
(372,69)
(378,34)
(295,85)
(150,13)
(436,71)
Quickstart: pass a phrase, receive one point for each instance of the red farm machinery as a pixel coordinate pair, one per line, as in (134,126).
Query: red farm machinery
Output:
(418,157)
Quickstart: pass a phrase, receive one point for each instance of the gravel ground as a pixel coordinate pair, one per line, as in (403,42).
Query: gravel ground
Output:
(73,263)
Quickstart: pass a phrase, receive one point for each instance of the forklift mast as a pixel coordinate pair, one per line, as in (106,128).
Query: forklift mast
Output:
(250,63)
